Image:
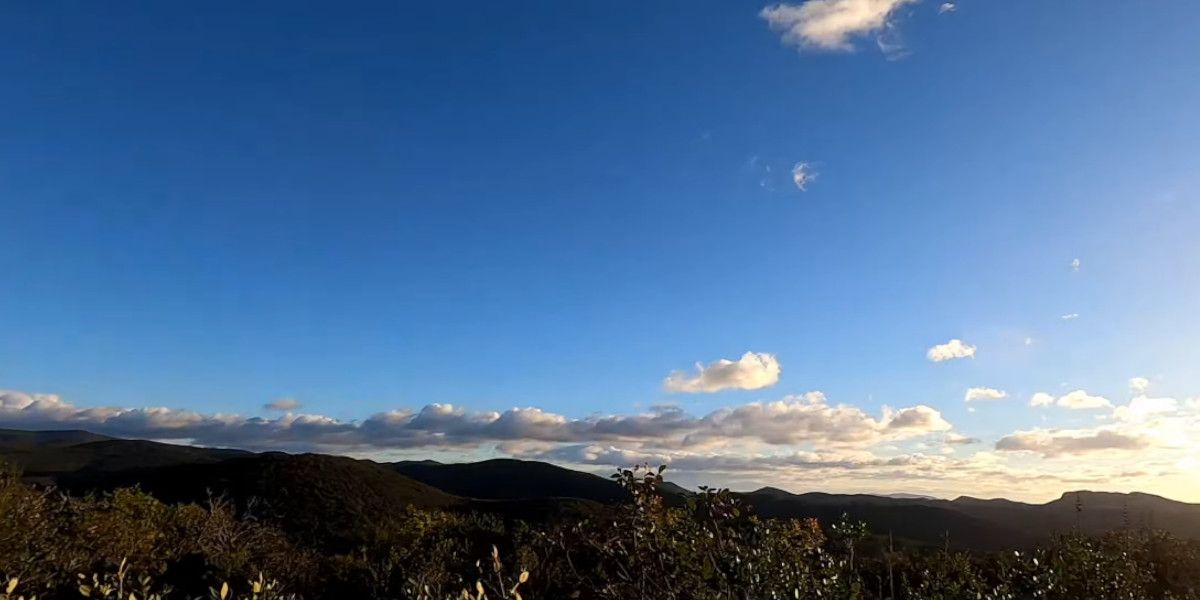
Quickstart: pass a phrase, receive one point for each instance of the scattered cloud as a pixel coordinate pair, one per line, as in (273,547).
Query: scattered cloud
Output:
(1070,316)
(802,175)
(1143,408)
(951,350)
(981,393)
(805,419)
(1075,264)
(830,25)
(1076,400)
(283,405)
(921,419)
(802,442)
(1028,341)
(811,419)
(773,174)
(1081,400)
(1053,443)
(687,461)
(956,439)
(753,371)
(1041,399)
(947,7)
(1138,385)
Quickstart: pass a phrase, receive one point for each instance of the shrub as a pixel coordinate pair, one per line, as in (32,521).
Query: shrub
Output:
(127,544)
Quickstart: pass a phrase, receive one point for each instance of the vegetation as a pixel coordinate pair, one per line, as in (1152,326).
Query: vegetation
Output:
(127,544)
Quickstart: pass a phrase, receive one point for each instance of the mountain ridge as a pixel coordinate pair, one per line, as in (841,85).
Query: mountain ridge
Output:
(346,495)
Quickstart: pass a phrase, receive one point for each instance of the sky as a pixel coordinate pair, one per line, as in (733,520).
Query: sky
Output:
(838,245)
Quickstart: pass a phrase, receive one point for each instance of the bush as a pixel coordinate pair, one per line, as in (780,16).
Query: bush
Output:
(126,544)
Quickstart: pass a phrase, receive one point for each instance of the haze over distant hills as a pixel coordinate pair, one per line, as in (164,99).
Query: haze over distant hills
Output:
(334,499)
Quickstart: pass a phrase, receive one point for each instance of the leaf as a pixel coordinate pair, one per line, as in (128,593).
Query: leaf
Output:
(12,585)
(224,590)
(85,590)
(524,577)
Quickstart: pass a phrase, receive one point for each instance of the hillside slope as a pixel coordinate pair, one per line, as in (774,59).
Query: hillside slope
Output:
(340,500)
(333,501)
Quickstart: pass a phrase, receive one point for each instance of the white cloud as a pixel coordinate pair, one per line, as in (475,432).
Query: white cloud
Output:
(982,393)
(1138,385)
(810,419)
(1076,400)
(947,7)
(283,404)
(806,419)
(1143,408)
(802,175)
(1075,264)
(830,24)
(754,370)
(1070,316)
(1042,399)
(957,439)
(1052,443)
(1028,341)
(951,350)
(797,442)
(1081,400)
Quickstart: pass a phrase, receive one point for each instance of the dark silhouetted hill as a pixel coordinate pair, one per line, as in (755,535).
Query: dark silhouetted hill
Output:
(339,500)
(331,501)
(508,479)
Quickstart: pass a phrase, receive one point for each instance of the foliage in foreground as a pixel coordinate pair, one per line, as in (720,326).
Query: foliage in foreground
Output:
(131,546)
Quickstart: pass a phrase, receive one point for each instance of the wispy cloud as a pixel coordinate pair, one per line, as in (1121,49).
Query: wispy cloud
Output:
(1138,385)
(1052,443)
(951,350)
(283,404)
(1070,316)
(947,7)
(754,370)
(803,175)
(830,25)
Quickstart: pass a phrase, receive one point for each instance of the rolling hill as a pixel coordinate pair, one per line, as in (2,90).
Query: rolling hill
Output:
(332,501)
(338,500)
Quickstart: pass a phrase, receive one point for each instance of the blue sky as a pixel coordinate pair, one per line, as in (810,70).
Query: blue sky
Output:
(556,205)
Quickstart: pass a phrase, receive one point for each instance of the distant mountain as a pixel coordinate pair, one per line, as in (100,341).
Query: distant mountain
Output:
(915,521)
(670,488)
(339,501)
(14,439)
(44,456)
(904,496)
